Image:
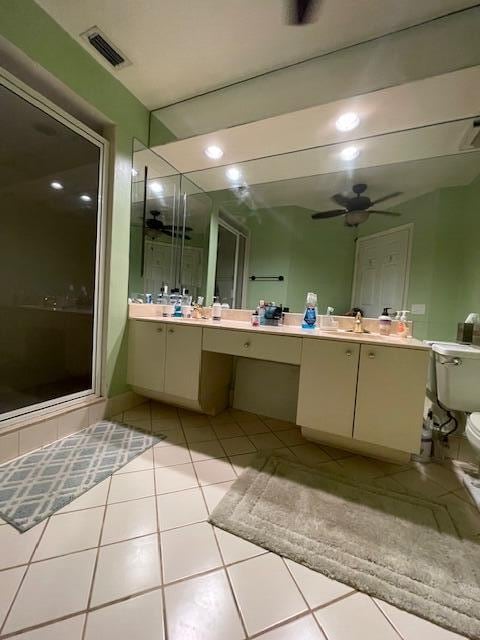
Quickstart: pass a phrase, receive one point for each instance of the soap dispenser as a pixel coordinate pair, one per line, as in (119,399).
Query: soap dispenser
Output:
(310,316)
(216,309)
(385,322)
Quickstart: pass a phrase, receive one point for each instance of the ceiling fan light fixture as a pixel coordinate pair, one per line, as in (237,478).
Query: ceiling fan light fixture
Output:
(347,121)
(85,198)
(213,152)
(233,174)
(58,186)
(349,153)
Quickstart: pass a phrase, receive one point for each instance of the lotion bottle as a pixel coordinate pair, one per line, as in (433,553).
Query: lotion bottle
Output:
(385,323)
(402,328)
(216,309)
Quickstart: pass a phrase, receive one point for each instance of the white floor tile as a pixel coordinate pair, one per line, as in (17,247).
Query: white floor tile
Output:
(206,450)
(126,568)
(52,589)
(278,425)
(181,508)
(168,479)
(163,425)
(140,617)
(213,471)
(242,461)
(199,434)
(227,430)
(142,462)
(17,548)
(202,609)
(234,548)
(235,446)
(303,629)
(412,628)
(316,588)
(95,497)
(125,520)
(169,456)
(253,427)
(189,550)
(173,436)
(69,532)
(129,486)
(355,617)
(70,629)
(266,441)
(214,493)
(291,437)
(265,591)
(9,582)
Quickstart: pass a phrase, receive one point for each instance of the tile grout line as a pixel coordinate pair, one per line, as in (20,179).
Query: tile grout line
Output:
(159,542)
(397,631)
(95,566)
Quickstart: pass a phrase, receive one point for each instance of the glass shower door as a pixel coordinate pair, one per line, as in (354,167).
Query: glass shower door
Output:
(50,188)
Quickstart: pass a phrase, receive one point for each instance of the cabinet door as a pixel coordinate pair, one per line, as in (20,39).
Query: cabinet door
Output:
(146,354)
(390,396)
(183,360)
(328,379)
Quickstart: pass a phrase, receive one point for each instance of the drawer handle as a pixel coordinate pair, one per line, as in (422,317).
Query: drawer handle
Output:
(349,353)
(371,355)
(171,331)
(246,345)
(159,329)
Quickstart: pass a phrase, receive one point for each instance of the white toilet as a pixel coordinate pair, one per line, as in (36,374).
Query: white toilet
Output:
(455,380)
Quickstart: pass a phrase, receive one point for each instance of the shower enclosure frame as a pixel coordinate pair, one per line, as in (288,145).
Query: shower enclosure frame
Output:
(37,100)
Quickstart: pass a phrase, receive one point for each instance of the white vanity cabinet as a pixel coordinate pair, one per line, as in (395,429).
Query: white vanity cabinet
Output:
(327,386)
(165,358)
(366,393)
(390,396)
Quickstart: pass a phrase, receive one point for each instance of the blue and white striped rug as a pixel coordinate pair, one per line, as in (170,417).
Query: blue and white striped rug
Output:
(42,482)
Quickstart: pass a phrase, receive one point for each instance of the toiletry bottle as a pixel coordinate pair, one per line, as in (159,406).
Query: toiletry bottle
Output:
(358,325)
(310,316)
(216,309)
(385,323)
(261,312)
(254,319)
(402,328)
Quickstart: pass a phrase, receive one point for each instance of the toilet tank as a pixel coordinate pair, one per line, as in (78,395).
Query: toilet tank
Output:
(457,369)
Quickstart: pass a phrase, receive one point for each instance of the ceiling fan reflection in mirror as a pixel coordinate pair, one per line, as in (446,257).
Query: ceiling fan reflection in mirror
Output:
(356,209)
(302,11)
(156,227)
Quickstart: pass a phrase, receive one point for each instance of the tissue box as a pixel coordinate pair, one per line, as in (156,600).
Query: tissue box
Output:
(468,333)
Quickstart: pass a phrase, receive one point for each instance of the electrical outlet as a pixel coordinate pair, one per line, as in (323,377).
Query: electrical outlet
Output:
(418,309)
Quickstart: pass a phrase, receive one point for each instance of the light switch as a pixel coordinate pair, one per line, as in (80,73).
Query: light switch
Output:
(418,309)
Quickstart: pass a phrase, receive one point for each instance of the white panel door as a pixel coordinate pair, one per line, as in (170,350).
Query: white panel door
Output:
(381,271)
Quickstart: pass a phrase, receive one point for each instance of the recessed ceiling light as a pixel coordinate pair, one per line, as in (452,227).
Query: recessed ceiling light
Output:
(213,152)
(349,153)
(347,121)
(156,187)
(56,185)
(134,172)
(85,198)
(233,173)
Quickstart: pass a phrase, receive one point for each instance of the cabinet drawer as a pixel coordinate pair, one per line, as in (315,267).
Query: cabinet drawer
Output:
(253,345)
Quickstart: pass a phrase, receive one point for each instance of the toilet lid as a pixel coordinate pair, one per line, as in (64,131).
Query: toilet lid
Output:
(474,419)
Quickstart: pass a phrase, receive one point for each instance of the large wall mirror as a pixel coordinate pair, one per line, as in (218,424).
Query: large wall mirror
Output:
(169,232)
(392,221)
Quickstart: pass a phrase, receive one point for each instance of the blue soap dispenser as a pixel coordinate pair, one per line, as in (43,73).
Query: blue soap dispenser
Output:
(310,316)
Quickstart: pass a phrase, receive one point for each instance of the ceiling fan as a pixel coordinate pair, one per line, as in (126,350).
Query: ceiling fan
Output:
(156,225)
(356,209)
(302,11)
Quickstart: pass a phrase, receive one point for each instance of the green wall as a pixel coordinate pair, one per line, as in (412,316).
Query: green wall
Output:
(28,27)
(311,255)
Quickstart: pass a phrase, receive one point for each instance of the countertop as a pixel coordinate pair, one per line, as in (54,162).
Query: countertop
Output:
(291,330)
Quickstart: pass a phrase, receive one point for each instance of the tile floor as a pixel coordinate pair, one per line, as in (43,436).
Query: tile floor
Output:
(135,558)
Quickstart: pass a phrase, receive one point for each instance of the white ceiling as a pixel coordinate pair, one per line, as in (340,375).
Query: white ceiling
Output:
(180,48)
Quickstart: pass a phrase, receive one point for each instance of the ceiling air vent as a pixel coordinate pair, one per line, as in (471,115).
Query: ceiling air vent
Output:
(105,48)
(471,139)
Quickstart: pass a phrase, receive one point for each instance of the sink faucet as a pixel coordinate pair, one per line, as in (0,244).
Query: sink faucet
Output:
(358,326)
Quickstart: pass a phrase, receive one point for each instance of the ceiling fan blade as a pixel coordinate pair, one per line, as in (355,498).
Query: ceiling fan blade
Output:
(385,213)
(328,214)
(391,195)
(169,227)
(302,11)
(341,200)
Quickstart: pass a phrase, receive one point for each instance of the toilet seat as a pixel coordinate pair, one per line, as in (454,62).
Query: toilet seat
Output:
(472,430)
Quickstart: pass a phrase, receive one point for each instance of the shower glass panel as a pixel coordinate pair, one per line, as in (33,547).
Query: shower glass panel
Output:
(50,184)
